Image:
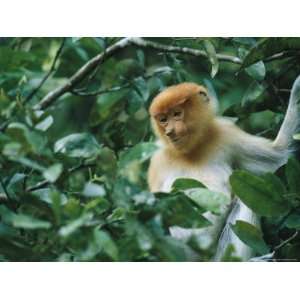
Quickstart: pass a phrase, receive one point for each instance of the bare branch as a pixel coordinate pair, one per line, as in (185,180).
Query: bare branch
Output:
(286,241)
(140,42)
(81,74)
(100,58)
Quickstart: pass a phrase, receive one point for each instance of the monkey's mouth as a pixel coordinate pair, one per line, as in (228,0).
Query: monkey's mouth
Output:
(176,140)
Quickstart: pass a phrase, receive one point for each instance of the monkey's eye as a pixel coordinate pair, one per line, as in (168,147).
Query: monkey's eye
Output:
(177,114)
(204,95)
(163,119)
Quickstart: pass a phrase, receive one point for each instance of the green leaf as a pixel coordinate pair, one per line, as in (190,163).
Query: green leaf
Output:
(209,200)
(251,236)
(292,171)
(52,173)
(142,88)
(258,194)
(93,190)
(81,145)
(141,152)
(296,136)
(45,124)
(212,56)
(268,47)
(275,184)
(186,183)
(22,220)
(257,70)
(253,92)
(31,141)
(293,221)
(104,240)
(71,227)
(175,209)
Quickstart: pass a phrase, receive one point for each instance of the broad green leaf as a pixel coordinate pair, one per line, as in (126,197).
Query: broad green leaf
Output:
(251,236)
(107,105)
(105,242)
(268,47)
(129,69)
(99,205)
(292,171)
(141,57)
(29,163)
(45,124)
(76,39)
(296,136)
(275,184)
(117,215)
(45,194)
(175,209)
(212,56)
(52,173)
(253,92)
(186,183)
(72,226)
(107,161)
(81,145)
(22,220)
(141,87)
(31,141)
(258,194)
(209,200)
(293,221)
(93,190)
(141,152)
(245,40)
(257,70)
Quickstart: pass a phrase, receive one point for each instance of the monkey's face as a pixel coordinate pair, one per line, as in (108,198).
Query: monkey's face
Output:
(181,115)
(172,125)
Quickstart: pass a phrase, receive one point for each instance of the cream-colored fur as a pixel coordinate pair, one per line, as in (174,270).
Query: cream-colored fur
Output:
(232,148)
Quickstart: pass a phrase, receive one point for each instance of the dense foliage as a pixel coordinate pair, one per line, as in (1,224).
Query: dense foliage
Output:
(73,172)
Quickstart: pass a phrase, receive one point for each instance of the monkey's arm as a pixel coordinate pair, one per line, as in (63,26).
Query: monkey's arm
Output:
(258,154)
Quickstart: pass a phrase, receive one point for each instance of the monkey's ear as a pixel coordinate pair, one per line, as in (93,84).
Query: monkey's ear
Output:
(182,101)
(204,95)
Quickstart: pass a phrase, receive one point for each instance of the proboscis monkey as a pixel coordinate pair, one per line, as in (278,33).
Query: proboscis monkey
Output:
(197,144)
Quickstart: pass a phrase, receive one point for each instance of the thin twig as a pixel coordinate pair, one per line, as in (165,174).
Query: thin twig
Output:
(286,241)
(44,183)
(101,91)
(34,91)
(281,55)
(79,92)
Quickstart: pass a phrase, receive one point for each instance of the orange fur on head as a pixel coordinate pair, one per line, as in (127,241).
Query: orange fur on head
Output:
(173,96)
(197,125)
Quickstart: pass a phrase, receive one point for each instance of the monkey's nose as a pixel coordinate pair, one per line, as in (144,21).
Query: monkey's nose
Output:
(170,133)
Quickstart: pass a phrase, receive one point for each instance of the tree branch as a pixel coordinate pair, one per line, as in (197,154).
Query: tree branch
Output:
(100,58)
(140,42)
(81,74)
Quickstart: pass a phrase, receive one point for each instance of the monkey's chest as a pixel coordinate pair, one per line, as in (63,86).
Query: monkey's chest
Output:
(214,175)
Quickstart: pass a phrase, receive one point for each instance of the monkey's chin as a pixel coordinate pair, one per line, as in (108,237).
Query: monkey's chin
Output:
(178,142)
